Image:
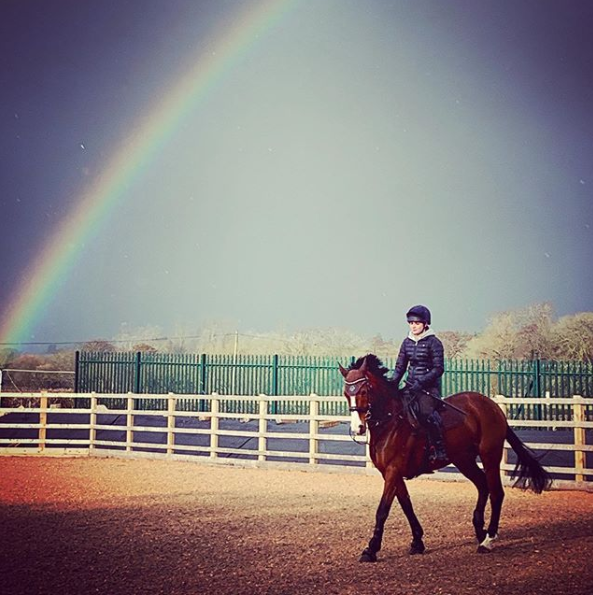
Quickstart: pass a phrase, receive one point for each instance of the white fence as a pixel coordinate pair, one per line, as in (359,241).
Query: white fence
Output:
(40,427)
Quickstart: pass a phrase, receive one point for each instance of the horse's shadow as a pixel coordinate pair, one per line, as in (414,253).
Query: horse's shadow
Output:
(512,542)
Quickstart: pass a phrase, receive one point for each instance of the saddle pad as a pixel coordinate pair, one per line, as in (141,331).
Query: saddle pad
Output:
(451,417)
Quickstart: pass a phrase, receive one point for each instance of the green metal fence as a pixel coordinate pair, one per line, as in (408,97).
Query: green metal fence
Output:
(153,373)
(274,375)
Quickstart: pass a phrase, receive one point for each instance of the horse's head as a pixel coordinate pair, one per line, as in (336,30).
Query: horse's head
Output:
(360,383)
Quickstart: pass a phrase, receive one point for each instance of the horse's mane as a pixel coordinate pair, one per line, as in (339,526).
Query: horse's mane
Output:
(374,365)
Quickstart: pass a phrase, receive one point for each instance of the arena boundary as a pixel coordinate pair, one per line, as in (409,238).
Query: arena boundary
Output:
(50,425)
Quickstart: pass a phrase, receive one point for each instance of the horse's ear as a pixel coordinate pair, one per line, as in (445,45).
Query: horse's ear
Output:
(363,368)
(343,370)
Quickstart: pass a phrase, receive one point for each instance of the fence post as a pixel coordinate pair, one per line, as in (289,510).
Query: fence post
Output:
(201,388)
(578,416)
(214,411)
(505,452)
(275,383)
(552,410)
(313,428)
(129,422)
(137,364)
(537,364)
(77,371)
(93,423)
(262,442)
(42,420)
(171,406)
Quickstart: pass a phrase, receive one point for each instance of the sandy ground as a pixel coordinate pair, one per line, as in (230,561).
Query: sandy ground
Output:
(141,527)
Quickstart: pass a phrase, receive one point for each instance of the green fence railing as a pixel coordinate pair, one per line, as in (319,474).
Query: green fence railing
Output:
(275,375)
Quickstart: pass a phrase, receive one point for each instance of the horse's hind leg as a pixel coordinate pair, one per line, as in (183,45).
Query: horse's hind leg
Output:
(491,463)
(470,469)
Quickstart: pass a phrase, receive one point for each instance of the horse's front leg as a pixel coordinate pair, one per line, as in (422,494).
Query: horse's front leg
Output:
(394,486)
(417,545)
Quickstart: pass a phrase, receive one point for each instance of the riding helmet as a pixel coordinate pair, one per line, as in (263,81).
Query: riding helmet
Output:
(418,314)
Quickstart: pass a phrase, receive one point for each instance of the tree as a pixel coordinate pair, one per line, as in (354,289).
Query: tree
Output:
(534,324)
(24,381)
(572,337)
(59,361)
(99,345)
(515,334)
(128,337)
(7,354)
(145,348)
(382,348)
(454,342)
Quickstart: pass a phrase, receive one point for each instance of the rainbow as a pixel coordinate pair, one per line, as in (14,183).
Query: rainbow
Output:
(44,276)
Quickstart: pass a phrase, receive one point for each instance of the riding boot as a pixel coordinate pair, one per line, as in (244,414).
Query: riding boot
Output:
(434,425)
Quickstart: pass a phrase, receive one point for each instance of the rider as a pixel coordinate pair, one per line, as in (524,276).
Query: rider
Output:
(422,355)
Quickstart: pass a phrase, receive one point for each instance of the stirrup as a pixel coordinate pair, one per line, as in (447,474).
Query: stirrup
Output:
(437,455)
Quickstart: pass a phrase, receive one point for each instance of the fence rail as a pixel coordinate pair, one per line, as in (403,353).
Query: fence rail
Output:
(315,438)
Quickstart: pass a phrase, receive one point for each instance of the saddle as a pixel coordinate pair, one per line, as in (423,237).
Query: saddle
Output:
(423,404)
(450,416)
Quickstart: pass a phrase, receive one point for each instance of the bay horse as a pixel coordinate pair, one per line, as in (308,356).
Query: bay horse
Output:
(398,450)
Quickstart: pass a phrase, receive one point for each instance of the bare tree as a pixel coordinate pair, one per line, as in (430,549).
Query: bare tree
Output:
(129,336)
(515,334)
(99,345)
(572,337)
(454,343)
(145,348)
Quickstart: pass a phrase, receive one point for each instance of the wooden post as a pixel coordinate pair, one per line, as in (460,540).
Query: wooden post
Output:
(129,422)
(93,422)
(367,454)
(262,442)
(505,452)
(313,429)
(42,420)
(171,404)
(551,411)
(215,410)
(578,416)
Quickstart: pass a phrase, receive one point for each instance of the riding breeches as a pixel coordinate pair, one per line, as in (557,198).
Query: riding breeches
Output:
(426,405)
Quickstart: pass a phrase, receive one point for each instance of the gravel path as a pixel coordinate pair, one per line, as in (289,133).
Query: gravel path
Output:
(111,526)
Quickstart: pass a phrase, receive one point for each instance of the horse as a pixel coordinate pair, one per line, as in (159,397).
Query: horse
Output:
(398,450)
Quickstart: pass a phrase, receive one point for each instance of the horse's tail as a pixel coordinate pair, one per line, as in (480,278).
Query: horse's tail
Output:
(529,472)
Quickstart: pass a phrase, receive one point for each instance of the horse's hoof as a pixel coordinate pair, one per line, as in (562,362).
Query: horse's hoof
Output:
(486,546)
(368,556)
(417,548)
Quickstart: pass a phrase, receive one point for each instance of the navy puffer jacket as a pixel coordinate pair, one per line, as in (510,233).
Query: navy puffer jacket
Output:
(424,360)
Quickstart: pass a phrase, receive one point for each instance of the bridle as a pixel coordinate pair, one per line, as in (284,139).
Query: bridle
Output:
(352,389)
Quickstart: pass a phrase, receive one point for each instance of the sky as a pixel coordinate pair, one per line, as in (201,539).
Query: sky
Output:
(291,164)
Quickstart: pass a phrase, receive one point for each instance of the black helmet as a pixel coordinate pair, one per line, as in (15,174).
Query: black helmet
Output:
(418,314)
